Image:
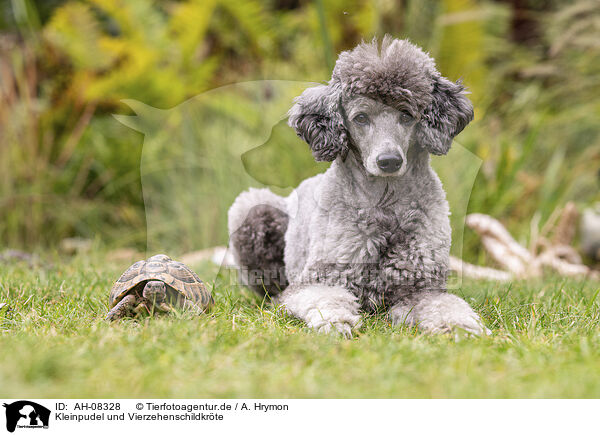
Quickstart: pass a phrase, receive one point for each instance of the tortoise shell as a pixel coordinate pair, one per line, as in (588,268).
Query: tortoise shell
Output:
(177,276)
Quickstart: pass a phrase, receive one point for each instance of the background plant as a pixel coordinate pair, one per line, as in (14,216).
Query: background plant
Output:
(68,168)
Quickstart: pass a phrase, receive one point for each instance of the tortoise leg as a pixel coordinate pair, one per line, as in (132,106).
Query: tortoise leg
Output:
(164,307)
(142,307)
(122,308)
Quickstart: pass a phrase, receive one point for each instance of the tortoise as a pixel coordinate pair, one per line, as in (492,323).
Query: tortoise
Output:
(157,285)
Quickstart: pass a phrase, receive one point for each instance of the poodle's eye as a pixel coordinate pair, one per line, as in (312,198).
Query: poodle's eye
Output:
(361,119)
(406,118)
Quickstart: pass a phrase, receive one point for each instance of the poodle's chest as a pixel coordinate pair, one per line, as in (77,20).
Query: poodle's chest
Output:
(357,235)
(379,252)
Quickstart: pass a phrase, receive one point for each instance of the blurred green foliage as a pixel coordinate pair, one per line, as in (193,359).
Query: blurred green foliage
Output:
(68,168)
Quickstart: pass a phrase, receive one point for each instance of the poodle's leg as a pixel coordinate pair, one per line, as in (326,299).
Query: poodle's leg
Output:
(323,308)
(438,312)
(257,226)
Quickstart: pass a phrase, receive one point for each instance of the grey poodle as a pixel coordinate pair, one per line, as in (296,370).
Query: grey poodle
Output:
(373,230)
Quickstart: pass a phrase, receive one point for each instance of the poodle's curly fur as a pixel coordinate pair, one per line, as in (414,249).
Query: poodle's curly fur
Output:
(357,235)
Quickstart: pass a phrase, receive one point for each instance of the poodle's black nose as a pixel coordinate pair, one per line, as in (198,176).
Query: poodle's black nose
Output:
(389,162)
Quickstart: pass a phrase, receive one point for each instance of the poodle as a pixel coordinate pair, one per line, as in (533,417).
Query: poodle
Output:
(373,231)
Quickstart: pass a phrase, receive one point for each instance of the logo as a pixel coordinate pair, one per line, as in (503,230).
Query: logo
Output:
(24,414)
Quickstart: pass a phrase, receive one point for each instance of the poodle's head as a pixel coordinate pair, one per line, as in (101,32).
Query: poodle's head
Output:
(379,102)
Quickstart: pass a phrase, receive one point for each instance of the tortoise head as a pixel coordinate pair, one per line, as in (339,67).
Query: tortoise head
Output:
(155,291)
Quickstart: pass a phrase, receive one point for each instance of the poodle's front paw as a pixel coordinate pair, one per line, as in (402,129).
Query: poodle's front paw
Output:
(327,309)
(471,324)
(333,322)
(440,313)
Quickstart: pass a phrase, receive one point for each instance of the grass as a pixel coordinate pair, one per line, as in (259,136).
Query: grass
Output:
(545,344)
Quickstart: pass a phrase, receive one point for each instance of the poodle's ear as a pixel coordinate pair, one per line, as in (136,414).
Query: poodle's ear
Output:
(317,120)
(449,112)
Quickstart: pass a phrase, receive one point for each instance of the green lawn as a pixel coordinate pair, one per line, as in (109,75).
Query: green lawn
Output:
(54,343)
